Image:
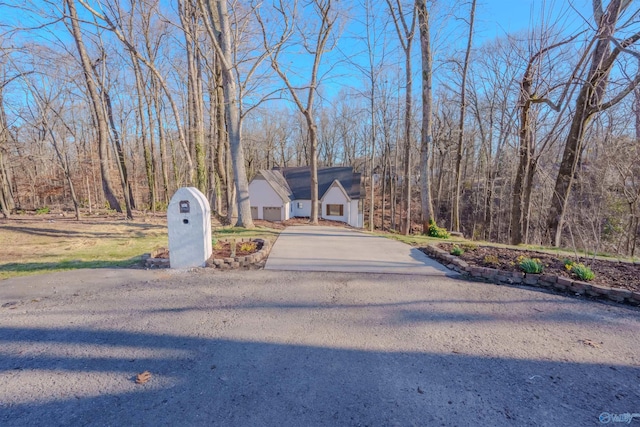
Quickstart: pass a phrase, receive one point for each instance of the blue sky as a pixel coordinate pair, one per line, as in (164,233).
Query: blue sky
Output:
(498,17)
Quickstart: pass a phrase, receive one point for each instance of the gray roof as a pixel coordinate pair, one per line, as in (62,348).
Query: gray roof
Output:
(278,183)
(299,180)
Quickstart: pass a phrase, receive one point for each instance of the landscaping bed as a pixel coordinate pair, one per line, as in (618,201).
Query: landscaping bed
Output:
(248,252)
(615,280)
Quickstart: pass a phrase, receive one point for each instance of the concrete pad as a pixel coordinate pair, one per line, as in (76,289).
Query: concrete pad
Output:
(311,248)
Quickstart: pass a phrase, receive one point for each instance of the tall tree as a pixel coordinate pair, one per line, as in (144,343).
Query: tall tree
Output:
(455,212)
(405,28)
(99,115)
(427,115)
(219,21)
(316,45)
(589,102)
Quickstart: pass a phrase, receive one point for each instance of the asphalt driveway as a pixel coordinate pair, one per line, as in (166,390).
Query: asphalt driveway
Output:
(312,248)
(289,348)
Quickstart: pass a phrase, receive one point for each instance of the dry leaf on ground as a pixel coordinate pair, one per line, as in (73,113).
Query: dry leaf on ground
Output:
(143,377)
(590,343)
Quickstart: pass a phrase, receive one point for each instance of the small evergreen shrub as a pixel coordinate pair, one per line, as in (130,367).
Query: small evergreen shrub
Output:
(583,272)
(491,259)
(43,210)
(470,247)
(531,265)
(456,250)
(438,232)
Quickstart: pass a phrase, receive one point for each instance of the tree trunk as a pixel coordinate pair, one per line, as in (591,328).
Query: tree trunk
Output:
(233,118)
(455,213)
(588,103)
(427,113)
(122,161)
(98,111)
(6,197)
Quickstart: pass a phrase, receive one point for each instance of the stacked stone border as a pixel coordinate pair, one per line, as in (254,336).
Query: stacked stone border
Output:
(545,281)
(255,259)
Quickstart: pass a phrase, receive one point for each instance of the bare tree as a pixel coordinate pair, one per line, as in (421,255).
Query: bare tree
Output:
(455,212)
(427,113)
(406,31)
(590,101)
(316,45)
(219,28)
(97,108)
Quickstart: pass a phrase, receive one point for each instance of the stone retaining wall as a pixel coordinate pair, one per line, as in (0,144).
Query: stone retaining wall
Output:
(255,259)
(245,260)
(560,284)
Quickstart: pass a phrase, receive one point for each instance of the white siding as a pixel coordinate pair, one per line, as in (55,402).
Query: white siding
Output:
(287,211)
(335,196)
(304,210)
(261,194)
(355,220)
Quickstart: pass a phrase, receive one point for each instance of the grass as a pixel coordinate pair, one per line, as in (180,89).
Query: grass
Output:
(46,243)
(417,239)
(270,234)
(31,245)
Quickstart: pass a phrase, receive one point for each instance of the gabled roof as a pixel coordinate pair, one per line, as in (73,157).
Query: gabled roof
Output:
(278,183)
(299,180)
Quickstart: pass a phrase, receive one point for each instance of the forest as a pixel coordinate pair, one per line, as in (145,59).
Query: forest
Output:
(525,137)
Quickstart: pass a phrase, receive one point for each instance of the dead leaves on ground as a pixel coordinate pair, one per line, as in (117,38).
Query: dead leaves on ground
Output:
(590,343)
(143,377)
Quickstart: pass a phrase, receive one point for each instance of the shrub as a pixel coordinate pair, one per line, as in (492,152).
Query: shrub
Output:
(491,259)
(248,247)
(531,265)
(582,272)
(438,232)
(42,211)
(456,250)
(469,247)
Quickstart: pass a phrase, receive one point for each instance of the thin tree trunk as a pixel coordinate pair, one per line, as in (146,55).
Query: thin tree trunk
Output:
(98,111)
(7,203)
(455,216)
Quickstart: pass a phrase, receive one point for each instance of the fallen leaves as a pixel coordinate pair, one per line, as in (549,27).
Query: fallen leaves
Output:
(143,377)
(590,343)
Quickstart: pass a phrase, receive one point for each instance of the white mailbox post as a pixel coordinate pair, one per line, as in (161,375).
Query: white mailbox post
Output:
(189,223)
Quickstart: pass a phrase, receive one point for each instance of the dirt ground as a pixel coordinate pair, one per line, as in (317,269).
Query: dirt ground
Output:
(609,273)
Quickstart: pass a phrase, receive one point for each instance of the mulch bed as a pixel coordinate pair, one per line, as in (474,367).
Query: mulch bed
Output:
(608,273)
(222,249)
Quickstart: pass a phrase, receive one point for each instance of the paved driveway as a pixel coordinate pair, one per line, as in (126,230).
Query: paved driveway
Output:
(289,348)
(311,248)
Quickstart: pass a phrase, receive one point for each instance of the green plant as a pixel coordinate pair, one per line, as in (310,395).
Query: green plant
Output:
(248,247)
(438,232)
(43,210)
(491,259)
(582,272)
(531,265)
(456,250)
(470,247)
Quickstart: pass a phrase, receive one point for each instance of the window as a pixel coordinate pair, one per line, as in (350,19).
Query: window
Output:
(299,205)
(335,210)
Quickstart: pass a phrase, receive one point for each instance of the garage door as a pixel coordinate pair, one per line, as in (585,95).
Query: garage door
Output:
(271,213)
(254,212)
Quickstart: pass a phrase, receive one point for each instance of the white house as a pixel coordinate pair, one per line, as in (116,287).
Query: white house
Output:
(280,194)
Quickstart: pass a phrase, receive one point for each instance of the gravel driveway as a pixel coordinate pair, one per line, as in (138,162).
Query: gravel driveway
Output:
(272,348)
